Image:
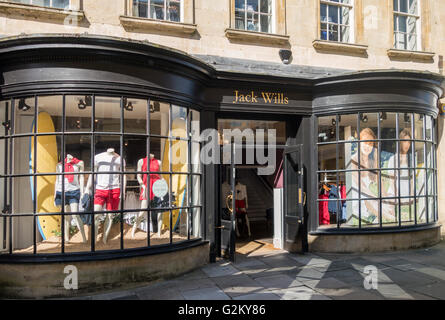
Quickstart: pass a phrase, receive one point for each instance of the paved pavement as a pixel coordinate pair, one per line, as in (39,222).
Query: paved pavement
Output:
(264,274)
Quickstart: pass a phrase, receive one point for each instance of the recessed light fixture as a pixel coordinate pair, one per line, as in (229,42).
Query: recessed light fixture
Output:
(23,106)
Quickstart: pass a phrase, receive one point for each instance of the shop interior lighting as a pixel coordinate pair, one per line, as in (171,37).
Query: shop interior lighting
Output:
(86,102)
(23,106)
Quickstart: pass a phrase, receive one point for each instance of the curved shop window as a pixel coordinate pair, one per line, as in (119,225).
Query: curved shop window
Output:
(119,170)
(376,170)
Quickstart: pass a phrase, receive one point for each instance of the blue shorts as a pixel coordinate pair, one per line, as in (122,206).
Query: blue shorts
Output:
(70,197)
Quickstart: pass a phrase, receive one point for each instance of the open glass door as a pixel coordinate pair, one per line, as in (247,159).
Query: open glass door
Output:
(227,204)
(294,198)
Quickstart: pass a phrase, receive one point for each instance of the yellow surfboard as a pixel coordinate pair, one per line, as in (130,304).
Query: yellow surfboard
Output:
(179,150)
(46,162)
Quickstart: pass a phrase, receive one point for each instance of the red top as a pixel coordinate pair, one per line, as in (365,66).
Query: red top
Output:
(69,168)
(154,166)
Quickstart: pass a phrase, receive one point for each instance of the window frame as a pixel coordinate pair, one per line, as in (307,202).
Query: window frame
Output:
(272,15)
(415,197)
(50,5)
(181,8)
(351,25)
(418,30)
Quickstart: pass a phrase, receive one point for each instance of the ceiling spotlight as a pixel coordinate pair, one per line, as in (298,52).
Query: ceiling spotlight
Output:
(83,103)
(364,118)
(128,106)
(155,106)
(406,117)
(23,106)
(334,122)
(383,116)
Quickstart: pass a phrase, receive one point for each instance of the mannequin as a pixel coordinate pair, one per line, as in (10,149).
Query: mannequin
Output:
(107,187)
(241,205)
(145,196)
(73,187)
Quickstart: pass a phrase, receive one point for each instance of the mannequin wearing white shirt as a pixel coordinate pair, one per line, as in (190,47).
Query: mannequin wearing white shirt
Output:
(76,184)
(108,217)
(241,194)
(144,202)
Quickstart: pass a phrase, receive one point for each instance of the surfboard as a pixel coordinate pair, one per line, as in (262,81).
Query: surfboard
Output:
(46,162)
(179,181)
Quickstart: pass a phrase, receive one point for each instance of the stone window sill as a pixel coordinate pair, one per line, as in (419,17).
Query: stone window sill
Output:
(38,12)
(146,24)
(254,36)
(411,55)
(340,47)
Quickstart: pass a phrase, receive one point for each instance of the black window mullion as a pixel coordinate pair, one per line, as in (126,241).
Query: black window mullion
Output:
(148,139)
(34,191)
(359,174)
(122,176)
(189,175)
(5,209)
(170,140)
(379,177)
(413,164)
(398,170)
(11,148)
(336,175)
(426,169)
(63,177)
(93,185)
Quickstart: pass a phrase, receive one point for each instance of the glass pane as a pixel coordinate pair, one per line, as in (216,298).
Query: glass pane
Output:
(48,153)
(77,233)
(348,127)
(389,183)
(407,211)
(430,182)
(396,5)
(140,8)
(252,22)
(412,41)
(388,125)
(78,113)
(344,34)
(323,13)
(179,122)
(403,5)
(327,157)
(266,23)
(108,114)
(196,231)
(333,32)
(108,226)
(23,195)
(79,146)
(23,155)
(412,6)
(24,115)
(323,31)
(50,114)
(420,182)
(431,209)
(390,214)
(429,155)
(135,149)
(61,4)
(239,4)
(369,184)
(419,154)
(266,6)
(333,12)
(136,225)
(323,213)
(50,227)
(405,121)
(195,130)
(240,19)
(401,22)
(174,11)
(159,118)
(180,230)
(350,211)
(196,185)
(327,129)
(252,5)
(43,3)
(160,221)
(368,121)
(406,157)
(421,209)
(135,115)
(429,128)
(388,152)
(369,212)
(157,9)
(195,157)
(344,15)
(406,181)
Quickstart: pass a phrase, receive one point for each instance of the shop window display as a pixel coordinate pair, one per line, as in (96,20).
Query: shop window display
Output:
(376,170)
(114,169)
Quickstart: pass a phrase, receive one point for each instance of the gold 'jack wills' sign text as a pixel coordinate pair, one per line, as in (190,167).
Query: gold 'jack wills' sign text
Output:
(266,97)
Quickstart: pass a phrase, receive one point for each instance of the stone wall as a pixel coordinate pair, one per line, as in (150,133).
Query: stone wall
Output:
(47,280)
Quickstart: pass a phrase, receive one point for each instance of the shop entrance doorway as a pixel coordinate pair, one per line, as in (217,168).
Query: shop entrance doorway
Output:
(257,211)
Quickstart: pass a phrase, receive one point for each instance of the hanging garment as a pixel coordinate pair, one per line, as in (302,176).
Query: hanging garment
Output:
(343,202)
(333,195)
(323,211)
(154,166)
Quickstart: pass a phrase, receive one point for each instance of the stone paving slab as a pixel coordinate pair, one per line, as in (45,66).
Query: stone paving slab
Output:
(280,281)
(235,285)
(219,269)
(299,293)
(258,296)
(213,293)
(436,290)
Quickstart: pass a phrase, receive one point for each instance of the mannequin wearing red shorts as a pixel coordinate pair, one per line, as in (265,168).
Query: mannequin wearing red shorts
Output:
(108,187)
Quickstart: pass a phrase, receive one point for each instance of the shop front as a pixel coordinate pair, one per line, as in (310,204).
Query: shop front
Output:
(137,161)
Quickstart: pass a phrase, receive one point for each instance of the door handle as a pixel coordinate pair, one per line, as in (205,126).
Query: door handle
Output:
(304,198)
